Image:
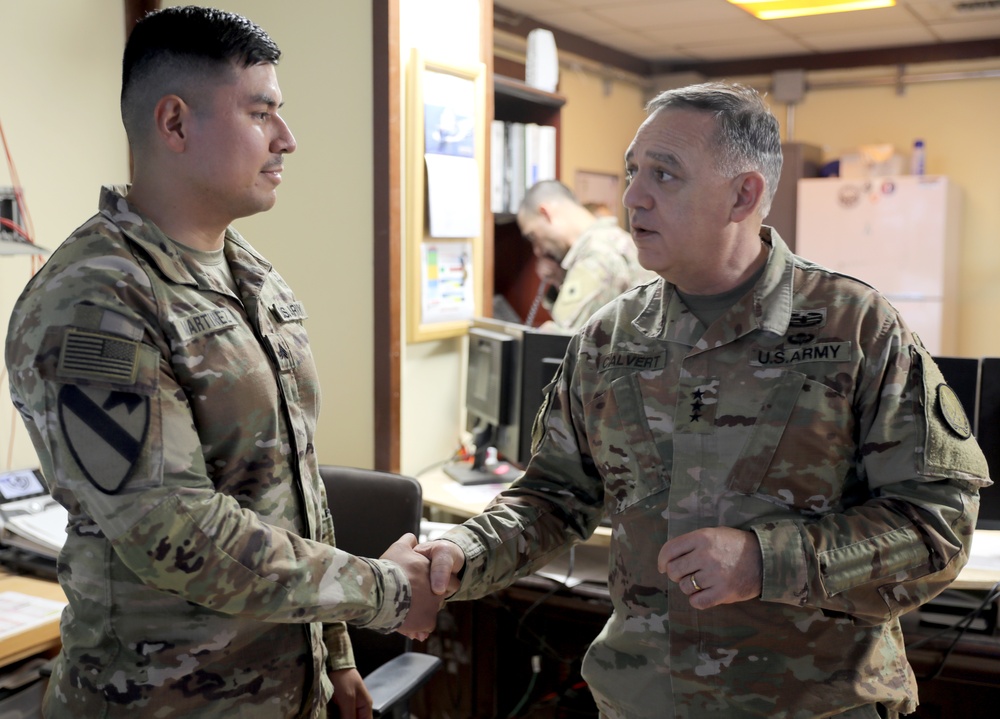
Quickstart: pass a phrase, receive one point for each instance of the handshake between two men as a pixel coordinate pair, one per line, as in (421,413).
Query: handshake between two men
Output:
(711,566)
(432,569)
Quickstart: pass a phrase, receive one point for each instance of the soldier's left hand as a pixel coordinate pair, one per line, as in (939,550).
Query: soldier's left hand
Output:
(350,694)
(714,565)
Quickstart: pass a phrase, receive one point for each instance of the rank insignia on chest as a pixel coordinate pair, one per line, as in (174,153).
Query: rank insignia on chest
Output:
(697,402)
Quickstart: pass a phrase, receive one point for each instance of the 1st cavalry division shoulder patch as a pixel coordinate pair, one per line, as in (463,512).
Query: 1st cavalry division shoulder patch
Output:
(105,431)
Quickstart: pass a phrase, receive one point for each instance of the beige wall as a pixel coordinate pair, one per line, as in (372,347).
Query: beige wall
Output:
(319,235)
(60,114)
(59,109)
(599,119)
(61,119)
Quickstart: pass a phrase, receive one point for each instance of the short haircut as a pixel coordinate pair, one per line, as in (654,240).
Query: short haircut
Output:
(747,137)
(545,191)
(170,51)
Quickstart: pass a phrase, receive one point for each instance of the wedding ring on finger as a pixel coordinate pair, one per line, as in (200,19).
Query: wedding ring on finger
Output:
(694,583)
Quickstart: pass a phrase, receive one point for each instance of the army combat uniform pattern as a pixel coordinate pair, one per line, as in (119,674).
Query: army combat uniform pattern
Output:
(808,414)
(600,265)
(175,421)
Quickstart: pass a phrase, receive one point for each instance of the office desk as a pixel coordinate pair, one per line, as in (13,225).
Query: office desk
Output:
(38,639)
(442,494)
(486,644)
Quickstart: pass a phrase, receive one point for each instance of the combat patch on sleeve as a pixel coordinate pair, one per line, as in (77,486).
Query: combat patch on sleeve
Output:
(949,449)
(952,411)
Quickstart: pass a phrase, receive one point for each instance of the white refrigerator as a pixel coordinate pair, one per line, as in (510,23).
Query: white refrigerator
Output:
(899,234)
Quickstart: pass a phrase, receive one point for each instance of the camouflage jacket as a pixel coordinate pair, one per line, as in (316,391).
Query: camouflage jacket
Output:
(600,265)
(175,422)
(808,414)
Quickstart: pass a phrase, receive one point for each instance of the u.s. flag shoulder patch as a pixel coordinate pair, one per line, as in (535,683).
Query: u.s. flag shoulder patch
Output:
(98,355)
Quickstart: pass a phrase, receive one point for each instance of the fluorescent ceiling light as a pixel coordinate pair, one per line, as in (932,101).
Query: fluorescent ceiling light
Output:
(777,9)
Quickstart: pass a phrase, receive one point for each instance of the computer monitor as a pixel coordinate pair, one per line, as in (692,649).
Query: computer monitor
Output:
(489,377)
(988,434)
(508,367)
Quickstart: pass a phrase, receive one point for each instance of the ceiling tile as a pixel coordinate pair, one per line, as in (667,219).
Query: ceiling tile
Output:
(580,23)
(971,30)
(864,19)
(937,10)
(651,13)
(717,30)
(866,38)
(531,7)
(710,51)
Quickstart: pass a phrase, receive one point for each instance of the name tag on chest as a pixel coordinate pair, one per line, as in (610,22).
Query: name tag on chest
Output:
(202,323)
(629,360)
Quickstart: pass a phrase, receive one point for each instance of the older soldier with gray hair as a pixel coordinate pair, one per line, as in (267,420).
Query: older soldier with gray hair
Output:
(784,467)
(163,370)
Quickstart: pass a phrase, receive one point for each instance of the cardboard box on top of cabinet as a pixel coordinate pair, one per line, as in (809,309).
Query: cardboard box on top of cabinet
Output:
(872,161)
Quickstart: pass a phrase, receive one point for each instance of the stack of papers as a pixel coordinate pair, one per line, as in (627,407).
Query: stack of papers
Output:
(36,525)
(21,612)
(985,552)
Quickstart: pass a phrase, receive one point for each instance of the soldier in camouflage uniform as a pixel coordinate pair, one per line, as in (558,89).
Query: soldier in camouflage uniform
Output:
(784,467)
(588,260)
(163,370)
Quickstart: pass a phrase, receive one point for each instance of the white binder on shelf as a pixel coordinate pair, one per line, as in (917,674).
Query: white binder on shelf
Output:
(515,162)
(498,170)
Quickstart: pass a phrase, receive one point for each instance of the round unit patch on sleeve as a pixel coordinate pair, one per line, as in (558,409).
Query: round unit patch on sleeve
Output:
(953,412)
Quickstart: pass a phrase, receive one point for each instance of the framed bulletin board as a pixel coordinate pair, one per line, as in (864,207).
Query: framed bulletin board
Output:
(445,190)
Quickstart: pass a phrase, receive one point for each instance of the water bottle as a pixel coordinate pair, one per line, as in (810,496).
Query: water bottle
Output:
(918,159)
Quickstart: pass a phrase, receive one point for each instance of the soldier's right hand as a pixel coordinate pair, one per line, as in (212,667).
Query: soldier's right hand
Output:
(424,603)
(447,560)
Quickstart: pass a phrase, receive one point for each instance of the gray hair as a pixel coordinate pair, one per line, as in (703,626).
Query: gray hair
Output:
(747,136)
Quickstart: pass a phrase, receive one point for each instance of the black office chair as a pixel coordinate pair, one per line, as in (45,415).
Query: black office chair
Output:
(371,510)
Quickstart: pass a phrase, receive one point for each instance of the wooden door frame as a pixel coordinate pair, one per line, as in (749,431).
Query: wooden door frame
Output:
(387,232)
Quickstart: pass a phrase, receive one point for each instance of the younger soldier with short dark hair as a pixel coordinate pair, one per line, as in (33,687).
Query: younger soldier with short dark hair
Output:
(163,370)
